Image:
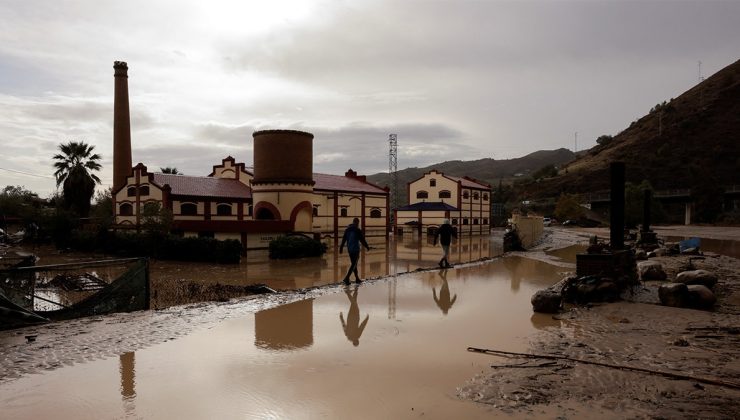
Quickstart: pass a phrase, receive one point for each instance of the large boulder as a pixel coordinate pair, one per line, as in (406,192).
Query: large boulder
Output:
(674,294)
(650,270)
(700,296)
(702,277)
(547,301)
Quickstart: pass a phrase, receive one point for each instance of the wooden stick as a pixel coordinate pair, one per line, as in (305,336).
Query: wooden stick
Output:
(710,381)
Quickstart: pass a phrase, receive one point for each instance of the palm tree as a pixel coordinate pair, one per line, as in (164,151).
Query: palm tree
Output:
(74,168)
(171,170)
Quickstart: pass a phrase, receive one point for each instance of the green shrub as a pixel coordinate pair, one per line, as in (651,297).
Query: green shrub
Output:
(295,247)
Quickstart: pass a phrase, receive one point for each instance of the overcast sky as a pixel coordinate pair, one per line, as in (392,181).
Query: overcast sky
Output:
(454,79)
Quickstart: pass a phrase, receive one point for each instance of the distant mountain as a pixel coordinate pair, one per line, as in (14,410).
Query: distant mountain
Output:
(692,141)
(487,170)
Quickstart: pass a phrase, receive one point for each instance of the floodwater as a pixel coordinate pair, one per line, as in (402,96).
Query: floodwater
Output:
(391,348)
(400,255)
(719,246)
(568,254)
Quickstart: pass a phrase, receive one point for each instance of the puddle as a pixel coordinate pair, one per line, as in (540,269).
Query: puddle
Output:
(719,246)
(568,254)
(387,349)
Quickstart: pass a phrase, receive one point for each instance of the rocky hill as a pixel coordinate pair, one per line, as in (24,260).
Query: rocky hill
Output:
(692,141)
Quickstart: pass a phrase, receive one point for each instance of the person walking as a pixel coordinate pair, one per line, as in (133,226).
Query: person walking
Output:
(353,237)
(445,234)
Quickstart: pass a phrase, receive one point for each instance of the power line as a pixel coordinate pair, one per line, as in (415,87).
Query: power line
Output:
(27,173)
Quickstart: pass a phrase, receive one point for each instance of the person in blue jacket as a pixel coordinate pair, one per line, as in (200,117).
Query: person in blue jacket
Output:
(353,237)
(445,233)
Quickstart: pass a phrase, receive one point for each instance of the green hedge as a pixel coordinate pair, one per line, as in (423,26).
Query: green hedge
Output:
(165,247)
(286,247)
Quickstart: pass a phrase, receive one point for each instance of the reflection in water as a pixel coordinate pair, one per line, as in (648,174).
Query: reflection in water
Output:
(719,246)
(286,327)
(398,255)
(568,254)
(352,328)
(444,301)
(127,369)
(531,271)
(543,321)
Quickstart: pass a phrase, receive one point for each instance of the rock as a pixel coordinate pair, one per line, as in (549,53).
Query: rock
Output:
(702,277)
(651,270)
(700,296)
(607,291)
(547,301)
(674,294)
(640,254)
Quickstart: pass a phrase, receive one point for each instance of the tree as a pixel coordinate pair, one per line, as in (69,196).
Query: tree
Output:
(547,171)
(604,140)
(74,167)
(156,219)
(634,198)
(170,170)
(568,207)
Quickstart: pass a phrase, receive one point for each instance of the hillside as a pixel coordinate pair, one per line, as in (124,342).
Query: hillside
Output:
(692,141)
(486,170)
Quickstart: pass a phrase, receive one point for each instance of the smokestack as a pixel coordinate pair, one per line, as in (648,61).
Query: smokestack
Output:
(616,212)
(121,127)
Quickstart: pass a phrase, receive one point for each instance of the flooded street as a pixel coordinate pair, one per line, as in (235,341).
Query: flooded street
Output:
(392,348)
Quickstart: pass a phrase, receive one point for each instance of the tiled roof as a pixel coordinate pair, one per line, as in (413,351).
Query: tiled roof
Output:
(468,183)
(201,186)
(344,183)
(429,206)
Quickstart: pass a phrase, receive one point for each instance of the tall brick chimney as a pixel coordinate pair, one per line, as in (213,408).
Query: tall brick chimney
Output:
(121,127)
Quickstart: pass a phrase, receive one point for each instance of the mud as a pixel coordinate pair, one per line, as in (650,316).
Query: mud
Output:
(636,332)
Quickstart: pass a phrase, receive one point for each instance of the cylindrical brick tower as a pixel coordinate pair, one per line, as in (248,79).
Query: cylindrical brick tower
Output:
(282,186)
(121,127)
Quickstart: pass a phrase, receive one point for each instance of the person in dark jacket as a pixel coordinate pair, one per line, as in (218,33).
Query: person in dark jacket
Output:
(445,234)
(353,237)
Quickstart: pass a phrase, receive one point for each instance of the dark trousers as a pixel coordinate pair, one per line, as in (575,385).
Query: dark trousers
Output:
(353,258)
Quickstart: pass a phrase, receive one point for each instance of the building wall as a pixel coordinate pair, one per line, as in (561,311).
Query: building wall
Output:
(134,184)
(474,203)
(335,210)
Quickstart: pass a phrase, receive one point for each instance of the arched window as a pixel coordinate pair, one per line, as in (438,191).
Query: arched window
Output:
(376,213)
(144,190)
(343,212)
(485,221)
(223,209)
(131,191)
(315,211)
(466,194)
(465,221)
(432,182)
(454,221)
(475,195)
(485,196)
(188,209)
(126,209)
(422,194)
(475,221)
(445,194)
(265,214)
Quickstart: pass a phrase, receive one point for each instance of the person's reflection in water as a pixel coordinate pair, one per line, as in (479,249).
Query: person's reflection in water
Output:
(352,328)
(444,301)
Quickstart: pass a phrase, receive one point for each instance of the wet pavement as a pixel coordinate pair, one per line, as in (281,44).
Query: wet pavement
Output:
(393,347)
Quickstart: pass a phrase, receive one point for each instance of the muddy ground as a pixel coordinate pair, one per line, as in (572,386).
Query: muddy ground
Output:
(635,332)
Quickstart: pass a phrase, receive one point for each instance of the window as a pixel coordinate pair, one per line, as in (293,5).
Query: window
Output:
(485,221)
(223,209)
(265,214)
(376,213)
(126,209)
(466,194)
(445,194)
(250,209)
(432,182)
(475,221)
(343,212)
(315,210)
(485,197)
(144,190)
(454,221)
(422,194)
(131,191)
(475,195)
(465,221)
(188,209)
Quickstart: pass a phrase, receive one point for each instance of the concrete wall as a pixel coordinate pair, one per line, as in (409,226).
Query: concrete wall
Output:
(529,228)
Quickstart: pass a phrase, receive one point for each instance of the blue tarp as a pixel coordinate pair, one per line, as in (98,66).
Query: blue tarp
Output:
(689,243)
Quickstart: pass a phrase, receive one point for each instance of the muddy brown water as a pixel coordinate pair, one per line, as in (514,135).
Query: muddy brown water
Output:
(391,348)
(719,246)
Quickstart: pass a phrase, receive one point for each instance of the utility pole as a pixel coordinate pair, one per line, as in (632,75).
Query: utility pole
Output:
(393,169)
